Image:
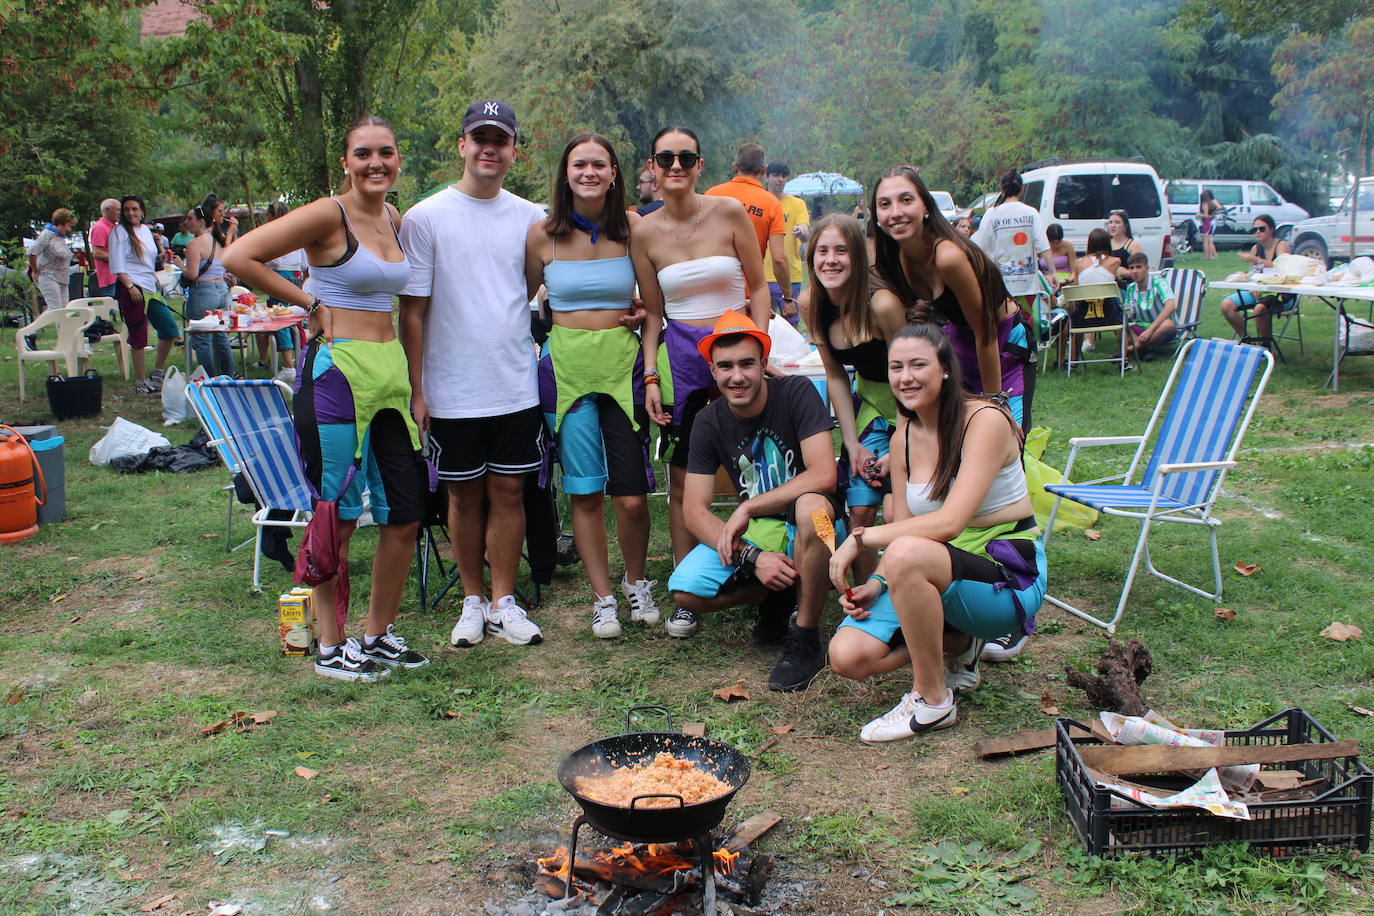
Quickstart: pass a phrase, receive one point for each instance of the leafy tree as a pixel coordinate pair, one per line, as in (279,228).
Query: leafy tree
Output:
(1328,88)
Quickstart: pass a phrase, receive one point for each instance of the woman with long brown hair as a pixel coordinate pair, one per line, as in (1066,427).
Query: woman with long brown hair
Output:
(134,261)
(591,376)
(939,273)
(962,562)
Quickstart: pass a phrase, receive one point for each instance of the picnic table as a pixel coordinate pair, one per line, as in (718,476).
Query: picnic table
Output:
(259,326)
(1335,297)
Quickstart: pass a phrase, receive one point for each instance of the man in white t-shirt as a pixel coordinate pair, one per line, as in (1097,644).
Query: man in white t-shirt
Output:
(465,326)
(1013,236)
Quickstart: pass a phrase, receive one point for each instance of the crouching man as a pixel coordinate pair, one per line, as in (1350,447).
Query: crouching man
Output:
(772,436)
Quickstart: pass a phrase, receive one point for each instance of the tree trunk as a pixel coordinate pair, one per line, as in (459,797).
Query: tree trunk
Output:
(316,158)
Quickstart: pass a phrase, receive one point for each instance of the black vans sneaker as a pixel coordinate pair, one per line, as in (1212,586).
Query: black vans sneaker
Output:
(1005,648)
(802,659)
(390,649)
(775,616)
(348,663)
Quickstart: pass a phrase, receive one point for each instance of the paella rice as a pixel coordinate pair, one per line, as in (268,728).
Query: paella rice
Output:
(665,774)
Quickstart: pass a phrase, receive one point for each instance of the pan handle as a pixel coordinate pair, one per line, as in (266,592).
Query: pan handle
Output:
(680,802)
(664,710)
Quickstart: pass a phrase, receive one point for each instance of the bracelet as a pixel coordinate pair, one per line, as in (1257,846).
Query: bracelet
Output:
(858,535)
(651,375)
(788,299)
(749,555)
(881,581)
(314,307)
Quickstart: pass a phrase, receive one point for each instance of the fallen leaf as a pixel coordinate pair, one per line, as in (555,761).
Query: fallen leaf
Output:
(262,718)
(238,717)
(1360,709)
(694,729)
(224,909)
(1248,569)
(1047,704)
(74,619)
(1225,613)
(656,559)
(959,790)
(732,693)
(56,599)
(882,766)
(782,729)
(158,904)
(306,772)
(208,535)
(15,696)
(451,714)
(215,729)
(1092,534)
(1342,631)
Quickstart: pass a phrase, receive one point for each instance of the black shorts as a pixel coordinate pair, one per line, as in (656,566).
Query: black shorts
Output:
(681,427)
(1096,313)
(511,445)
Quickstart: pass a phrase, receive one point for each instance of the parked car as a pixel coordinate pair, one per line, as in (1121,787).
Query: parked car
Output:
(1328,237)
(1079,195)
(945,201)
(980,205)
(1241,202)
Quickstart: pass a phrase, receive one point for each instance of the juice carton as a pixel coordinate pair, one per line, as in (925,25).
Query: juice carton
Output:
(296,619)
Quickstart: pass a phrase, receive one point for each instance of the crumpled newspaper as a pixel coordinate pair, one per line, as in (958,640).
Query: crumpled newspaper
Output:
(1210,790)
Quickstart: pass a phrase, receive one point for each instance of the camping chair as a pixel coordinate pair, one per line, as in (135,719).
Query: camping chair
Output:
(262,436)
(1089,292)
(71,343)
(1190,290)
(1049,320)
(207,411)
(1202,415)
(105,307)
(1288,311)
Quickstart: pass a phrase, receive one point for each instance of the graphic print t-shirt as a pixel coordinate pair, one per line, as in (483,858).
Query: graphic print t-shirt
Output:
(1011,234)
(764,452)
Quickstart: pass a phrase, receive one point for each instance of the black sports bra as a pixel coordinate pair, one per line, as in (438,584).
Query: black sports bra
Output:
(869,358)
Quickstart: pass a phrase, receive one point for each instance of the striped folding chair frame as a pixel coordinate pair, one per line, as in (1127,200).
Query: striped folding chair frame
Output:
(207,411)
(1190,291)
(262,435)
(1201,419)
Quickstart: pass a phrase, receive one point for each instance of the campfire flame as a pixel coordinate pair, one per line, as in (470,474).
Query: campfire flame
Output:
(652,858)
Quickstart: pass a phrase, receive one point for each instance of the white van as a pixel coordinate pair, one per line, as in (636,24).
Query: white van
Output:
(1079,195)
(1242,201)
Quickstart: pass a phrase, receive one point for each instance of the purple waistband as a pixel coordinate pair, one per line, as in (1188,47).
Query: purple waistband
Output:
(690,372)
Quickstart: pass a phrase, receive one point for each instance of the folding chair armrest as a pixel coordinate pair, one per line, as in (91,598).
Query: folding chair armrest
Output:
(1188,467)
(1089,441)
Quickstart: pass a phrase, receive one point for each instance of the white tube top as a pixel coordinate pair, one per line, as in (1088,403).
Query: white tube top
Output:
(703,287)
(1007,487)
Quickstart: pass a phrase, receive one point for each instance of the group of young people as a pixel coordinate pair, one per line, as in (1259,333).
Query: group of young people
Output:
(662,319)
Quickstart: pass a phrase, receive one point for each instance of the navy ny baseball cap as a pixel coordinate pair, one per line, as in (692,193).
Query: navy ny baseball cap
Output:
(489,111)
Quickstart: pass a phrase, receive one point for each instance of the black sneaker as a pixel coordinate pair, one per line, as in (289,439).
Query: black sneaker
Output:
(682,624)
(802,659)
(348,663)
(1005,648)
(775,616)
(390,649)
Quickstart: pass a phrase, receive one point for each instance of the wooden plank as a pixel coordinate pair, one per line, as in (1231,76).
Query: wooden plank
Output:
(1160,758)
(694,729)
(1030,740)
(751,830)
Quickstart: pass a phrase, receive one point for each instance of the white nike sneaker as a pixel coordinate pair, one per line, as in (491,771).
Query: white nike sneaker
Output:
(508,620)
(471,626)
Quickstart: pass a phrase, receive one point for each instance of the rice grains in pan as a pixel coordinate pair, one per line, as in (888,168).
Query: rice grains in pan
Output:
(665,774)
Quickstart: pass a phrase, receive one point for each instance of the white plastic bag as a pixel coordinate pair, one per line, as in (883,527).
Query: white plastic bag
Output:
(788,344)
(174,407)
(125,438)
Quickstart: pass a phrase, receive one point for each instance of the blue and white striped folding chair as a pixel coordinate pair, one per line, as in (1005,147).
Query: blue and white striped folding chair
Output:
(1190,290)
(1202,415)
(207,411)
(262,435)
(1050,321)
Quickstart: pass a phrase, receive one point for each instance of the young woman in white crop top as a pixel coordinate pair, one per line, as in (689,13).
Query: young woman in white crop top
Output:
(969,567)
(591,382)
(352,401)
(699,256)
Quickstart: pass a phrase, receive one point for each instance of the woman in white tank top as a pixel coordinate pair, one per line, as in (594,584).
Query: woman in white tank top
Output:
(701,255)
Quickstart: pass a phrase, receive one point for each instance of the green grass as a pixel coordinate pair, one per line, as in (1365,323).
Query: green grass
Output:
(128,628)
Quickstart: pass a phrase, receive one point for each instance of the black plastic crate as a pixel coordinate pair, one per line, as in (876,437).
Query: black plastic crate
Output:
(1338,818)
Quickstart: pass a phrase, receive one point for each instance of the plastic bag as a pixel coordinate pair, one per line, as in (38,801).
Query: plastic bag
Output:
(1038,473)
(125,438)
(788,344)
(174,407)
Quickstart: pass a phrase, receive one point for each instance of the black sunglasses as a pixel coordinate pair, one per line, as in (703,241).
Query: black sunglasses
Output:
(1258,229)
(687,158)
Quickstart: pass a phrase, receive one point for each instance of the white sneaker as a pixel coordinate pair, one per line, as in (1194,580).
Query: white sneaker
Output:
(605,621)
(643,609)
(909,717)
(682,624)
(471,626)
(508,620)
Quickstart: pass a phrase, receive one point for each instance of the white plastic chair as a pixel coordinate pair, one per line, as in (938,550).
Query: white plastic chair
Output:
(1201,419)
(70,348)
(107,308)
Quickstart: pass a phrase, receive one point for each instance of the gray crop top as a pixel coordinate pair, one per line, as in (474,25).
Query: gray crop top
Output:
(359,280)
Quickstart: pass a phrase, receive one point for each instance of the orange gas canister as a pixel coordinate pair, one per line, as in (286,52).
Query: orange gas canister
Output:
(18,503)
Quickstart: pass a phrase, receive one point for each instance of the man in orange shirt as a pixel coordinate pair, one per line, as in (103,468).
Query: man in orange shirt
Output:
(765,212)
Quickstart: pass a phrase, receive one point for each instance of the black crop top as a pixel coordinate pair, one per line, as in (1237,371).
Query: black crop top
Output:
(869,358)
